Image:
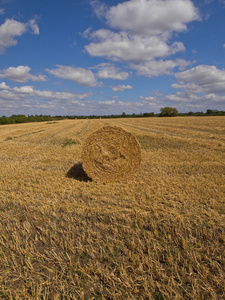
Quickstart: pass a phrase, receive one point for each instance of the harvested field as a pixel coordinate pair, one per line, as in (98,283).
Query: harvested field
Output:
(160,236)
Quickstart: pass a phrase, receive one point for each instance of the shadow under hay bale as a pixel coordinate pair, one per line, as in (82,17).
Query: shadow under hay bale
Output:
(111,154)
(77,172)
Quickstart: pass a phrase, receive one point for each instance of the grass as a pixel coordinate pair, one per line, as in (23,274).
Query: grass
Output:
(160,236)
(69,142)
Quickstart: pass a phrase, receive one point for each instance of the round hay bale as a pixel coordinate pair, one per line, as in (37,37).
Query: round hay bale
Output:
(111,154)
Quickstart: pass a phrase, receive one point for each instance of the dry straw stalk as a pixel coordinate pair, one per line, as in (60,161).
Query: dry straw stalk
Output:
(111,154)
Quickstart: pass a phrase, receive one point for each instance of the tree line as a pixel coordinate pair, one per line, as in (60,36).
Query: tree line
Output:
(16,119)
(164,112)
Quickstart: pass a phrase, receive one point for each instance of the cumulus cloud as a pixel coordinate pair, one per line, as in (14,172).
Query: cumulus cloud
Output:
(201,87)
(8,31)
(147,98)
(20,74)
(107,70)
(24,90)
(3,86)
(12,29)
(28,94)
(155,68)
(121,88)
(187,101)
(27,99)
(145,29)
(152,17)
(108,102)
(182,97)
(201,79)
(151,103)
(123,46)
(75,74)
(130,107)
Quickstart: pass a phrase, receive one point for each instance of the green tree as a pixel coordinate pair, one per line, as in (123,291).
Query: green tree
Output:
(209,111)
(148,114)
(168,112)
(4,120)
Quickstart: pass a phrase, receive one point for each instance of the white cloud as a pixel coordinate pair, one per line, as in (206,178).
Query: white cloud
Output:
(44,95)
(130,107)
(187,101)
(24,90)
(27,99)
(33,26)
(213,98)
(152,17)
(183,97)
(2,11)
(109,102)
(123,46)
(99,8)
(147,98)
(83,96)
(224,46)
(150,103)
(61,96)
(145,29)
(201,79)
(11,29)
(8,31)
(3,86)
(154,68)
(75,74)
(20,74)
(121,88)
(11,95)
(107,70)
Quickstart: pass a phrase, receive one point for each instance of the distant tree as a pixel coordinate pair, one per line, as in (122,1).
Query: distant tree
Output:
(4,120)
(148,114)
(168,112)
(214,112)
(209,111)
(199,113)
(190,113)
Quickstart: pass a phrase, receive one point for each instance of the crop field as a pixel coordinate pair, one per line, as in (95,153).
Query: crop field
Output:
(158,236)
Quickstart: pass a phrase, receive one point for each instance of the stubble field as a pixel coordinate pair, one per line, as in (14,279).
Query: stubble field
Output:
(160,236)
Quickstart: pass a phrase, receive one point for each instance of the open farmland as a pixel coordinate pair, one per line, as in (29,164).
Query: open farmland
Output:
(160,236)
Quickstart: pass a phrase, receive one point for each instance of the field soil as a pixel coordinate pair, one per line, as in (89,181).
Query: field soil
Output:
(159,236)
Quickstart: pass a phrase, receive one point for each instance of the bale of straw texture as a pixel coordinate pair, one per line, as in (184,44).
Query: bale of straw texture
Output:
(111,154)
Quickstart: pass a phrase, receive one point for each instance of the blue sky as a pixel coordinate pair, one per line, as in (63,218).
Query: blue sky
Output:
(91,57)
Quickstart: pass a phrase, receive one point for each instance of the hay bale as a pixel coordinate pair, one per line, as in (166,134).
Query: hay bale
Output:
(111,154)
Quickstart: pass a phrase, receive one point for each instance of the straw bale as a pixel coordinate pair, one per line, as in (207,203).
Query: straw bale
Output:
(111,154)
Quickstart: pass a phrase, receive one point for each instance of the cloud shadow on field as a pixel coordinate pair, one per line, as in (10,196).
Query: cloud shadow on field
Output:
(77,172)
